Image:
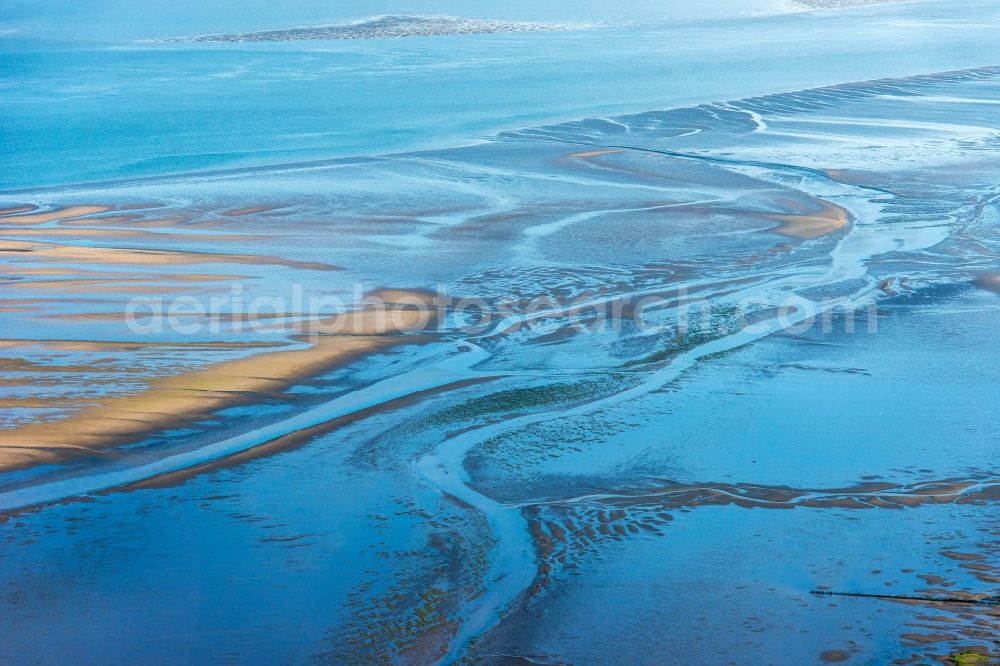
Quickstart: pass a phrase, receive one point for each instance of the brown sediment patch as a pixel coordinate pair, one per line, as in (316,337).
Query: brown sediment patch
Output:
(963,557)
(932,579)
(34,381)
(179,400)
(126,220)
(989,281)
(416,297)
(49,271)
(809,225)
(106,220)
(946,595)
(937,618)
(26,365)
(112,346)
(96,286)
(975,566)
(250,210)
(58,214)
(214,223)
(140,221)
(30,403)
(944,488)
(301,319)
(139,206)
(12,305)
(17,209)
(618,515)
(382,311)
(927,639)
(834,656)
(859,177)
(964,624)
(175,401)
(117,255)
(46,271)
(158,223)
(596,153)
(100,232)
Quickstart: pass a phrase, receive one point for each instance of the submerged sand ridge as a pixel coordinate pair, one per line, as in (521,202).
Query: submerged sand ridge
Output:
(829,219)
(74,277)
(173,401)
(75,269)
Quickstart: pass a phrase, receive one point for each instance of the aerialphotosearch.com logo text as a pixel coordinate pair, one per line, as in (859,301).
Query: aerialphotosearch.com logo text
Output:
(362,311)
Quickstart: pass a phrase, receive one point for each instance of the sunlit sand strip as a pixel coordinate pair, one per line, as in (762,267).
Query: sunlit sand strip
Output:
(989,281)
(65,271)
(250,210)
(140,206)
(125,220)
(17,209)
(220,317)
(112,220)
(83,215)
(171,402)
(100,232)
(111,346)
(596,153)
(123,286)
(808,226)
(132,221)
(452,369)
(113,255)
(59,214)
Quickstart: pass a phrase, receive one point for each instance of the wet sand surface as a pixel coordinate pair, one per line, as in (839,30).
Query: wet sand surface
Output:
(796,395)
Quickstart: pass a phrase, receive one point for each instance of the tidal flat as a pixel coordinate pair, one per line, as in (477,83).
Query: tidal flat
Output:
(710,384)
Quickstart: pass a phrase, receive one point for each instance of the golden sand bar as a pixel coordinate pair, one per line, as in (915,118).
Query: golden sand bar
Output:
(59,214)
(807,226)
(17,209)
(114,255)
(102,346)
(101,232)
(990,281)
(597,153)
(66,271)
(172,402)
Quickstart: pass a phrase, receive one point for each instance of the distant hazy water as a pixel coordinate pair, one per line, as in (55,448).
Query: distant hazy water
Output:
(75,111)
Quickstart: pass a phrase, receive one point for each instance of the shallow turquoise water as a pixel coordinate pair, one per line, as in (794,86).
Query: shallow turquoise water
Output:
(75,111)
